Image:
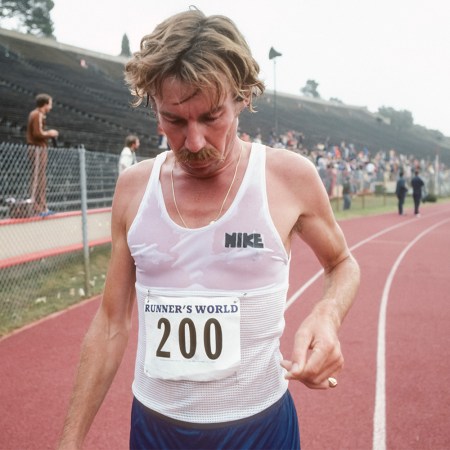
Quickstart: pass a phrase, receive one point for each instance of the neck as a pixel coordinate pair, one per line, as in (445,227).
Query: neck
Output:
(210,194)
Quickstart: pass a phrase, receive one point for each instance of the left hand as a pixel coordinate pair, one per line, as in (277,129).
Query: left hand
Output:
(316,355)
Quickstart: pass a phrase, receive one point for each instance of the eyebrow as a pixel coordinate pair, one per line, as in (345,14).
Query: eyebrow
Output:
(209,113)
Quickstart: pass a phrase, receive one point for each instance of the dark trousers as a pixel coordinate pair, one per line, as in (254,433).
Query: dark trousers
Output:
(417,199)
(401,201)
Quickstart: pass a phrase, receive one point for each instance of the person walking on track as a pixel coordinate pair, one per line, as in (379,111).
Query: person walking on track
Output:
(400,192)
(201,240)
(417,185)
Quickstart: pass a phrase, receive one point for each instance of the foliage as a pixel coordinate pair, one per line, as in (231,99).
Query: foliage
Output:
(32,15)
(380,189)
(125,46)
(310,89)
(430,198)
(401,120)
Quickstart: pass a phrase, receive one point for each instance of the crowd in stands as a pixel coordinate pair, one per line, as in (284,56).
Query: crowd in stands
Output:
(364,168)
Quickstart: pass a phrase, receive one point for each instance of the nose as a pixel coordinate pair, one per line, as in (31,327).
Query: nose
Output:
(195,139)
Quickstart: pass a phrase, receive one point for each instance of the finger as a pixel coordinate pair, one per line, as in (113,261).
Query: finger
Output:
(315,361)
(300,350)
(325,359)
(286,364)
(289,366)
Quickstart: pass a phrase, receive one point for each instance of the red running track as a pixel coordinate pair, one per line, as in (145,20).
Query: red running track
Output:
(393,392)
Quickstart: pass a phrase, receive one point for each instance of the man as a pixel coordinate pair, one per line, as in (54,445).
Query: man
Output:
(400,192)
(37,137)
(347,191)
(417,186)
(128,154)
(201,237)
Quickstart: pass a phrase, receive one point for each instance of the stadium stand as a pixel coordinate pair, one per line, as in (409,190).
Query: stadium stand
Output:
(92,106)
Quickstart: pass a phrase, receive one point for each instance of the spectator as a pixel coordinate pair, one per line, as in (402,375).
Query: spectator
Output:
(128,154)
(162,139)
(417,186)
(347,193)
(37,137)
(401,191)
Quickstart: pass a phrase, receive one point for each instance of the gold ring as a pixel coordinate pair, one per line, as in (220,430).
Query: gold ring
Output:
(332,382)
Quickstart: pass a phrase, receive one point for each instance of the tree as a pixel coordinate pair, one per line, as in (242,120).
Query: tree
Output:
(401,120)
(32,15)
(125,46)
(336,100)
(310,89)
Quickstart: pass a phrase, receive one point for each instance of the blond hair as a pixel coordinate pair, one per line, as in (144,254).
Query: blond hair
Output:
(198,50)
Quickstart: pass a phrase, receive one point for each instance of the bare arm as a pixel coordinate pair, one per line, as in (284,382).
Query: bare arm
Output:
(105,342)
(316,353)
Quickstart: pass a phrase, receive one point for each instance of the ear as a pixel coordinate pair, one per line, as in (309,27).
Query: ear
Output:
(243,104)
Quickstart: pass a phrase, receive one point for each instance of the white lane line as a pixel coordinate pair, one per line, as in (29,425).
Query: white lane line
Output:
(314,278)
(294,297)
(379,417)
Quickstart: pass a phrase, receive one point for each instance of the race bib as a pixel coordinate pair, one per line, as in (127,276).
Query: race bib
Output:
(192,338)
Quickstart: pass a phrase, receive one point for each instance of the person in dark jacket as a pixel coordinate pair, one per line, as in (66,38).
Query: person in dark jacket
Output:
(417,185)
(401,191)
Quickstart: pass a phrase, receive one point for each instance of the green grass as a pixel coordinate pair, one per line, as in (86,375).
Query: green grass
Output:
(364,206)
(47,286)
(35,290)
(370,205)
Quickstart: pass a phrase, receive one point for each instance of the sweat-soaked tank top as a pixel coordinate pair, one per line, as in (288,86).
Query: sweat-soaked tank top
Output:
(211,305)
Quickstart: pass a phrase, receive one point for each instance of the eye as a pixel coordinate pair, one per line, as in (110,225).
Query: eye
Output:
(211,119)
(173,121)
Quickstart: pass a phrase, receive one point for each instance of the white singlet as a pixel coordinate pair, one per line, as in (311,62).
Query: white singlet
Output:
(211,305)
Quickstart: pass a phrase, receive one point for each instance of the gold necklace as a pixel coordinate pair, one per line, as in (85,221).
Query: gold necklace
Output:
(224,200)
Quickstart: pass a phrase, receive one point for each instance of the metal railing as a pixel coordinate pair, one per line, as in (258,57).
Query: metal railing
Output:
(48,261)
(50,201)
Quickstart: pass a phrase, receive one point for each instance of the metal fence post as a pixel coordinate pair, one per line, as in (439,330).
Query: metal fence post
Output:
(83,186)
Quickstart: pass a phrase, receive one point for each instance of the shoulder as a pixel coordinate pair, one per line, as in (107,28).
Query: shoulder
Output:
(33,114)
(135,176)
(292,170)
(295,190)
(125,151)
(288,163)
(130,189)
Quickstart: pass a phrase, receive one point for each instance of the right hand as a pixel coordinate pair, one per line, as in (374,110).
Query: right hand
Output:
(53,133)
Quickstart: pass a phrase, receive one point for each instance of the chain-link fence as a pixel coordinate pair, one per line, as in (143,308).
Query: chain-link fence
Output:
(54,228)
(55,222)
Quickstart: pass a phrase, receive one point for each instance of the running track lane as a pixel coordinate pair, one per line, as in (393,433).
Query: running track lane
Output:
(38,363)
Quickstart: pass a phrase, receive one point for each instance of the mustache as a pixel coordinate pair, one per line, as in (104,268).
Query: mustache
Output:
(185,156)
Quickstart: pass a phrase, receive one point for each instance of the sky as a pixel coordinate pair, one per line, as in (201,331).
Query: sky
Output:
(393,53)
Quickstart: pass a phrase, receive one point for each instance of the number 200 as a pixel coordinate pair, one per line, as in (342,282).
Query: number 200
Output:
(188,324)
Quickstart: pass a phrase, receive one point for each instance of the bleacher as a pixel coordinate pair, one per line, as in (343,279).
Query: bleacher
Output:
(92,106)
(91,103)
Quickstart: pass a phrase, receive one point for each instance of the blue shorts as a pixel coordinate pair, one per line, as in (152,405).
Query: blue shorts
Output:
(274,428)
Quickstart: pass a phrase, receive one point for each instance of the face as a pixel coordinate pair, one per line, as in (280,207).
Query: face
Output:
(49,106)
(200,135)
